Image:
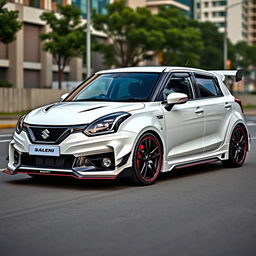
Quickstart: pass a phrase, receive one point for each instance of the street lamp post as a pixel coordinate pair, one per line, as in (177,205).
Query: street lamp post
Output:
(88,39)
(225,47)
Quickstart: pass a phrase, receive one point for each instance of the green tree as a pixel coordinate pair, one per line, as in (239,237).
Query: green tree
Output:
(182,44)
(133,34)
(211,55)
(66,38)
(245,55)
(9,24)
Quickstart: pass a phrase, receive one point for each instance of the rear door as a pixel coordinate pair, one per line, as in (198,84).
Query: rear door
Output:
(217,110)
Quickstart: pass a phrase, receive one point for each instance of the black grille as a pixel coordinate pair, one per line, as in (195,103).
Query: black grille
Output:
(61,162)
(53,134)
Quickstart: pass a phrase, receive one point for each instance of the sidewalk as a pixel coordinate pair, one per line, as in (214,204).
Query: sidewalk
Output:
(7,122)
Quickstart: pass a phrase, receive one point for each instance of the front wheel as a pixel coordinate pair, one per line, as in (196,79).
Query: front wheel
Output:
(147,160)
(237,147)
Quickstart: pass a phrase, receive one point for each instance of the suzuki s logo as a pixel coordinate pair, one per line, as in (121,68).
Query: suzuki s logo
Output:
(45,134)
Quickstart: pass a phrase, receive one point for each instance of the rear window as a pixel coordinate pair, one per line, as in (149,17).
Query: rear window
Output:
(208,87)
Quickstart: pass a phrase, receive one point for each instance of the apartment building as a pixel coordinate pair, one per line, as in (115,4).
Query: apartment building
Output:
(233,13)
(23,63)
(186,6)
(252,22)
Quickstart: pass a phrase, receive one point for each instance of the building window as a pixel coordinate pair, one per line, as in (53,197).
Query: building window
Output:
(219,3)
(3,74)
(31,42)
(98,5)
(3,51)
(32,3)
(220,24)
(206,14)
(31,78)
(218,14)
(206,4)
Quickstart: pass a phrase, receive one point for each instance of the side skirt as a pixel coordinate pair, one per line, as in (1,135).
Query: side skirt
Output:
(190,164)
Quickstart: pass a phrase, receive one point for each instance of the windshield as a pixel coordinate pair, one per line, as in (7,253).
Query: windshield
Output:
(117,87)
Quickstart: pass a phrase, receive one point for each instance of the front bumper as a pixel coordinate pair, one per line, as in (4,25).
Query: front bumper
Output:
(119,145)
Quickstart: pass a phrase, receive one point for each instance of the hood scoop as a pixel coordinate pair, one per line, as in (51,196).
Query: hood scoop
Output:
(46,109)
(86,110)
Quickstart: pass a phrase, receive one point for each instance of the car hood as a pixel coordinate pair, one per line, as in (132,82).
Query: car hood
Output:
(76,113)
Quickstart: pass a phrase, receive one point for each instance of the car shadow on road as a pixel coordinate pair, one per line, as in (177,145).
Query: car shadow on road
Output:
(70,183)
(118,184)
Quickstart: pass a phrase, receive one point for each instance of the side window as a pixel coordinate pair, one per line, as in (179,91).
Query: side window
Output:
(178,84)
(208,87)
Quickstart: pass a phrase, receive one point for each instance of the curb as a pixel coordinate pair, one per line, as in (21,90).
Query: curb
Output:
(7,126)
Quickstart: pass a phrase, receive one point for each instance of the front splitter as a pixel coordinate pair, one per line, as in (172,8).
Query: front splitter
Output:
(71,174)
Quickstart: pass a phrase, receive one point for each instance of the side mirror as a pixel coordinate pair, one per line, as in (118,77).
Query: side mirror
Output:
(175,98)
(62,97)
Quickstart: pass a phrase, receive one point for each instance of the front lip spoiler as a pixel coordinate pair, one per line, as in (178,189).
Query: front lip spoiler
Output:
(63,173)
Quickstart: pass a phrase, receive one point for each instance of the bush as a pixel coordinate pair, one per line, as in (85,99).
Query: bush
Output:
(5,84)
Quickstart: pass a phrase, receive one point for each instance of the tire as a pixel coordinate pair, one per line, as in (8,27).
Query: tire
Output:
(147,160)
(237,147)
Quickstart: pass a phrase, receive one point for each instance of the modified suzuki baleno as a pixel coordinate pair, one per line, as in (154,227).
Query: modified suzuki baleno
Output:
(133,122)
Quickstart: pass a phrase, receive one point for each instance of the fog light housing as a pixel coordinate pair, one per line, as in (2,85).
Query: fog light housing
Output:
(16,158)
(106,162)
(82,161)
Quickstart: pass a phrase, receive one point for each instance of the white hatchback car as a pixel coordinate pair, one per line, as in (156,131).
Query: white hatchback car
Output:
(133,122)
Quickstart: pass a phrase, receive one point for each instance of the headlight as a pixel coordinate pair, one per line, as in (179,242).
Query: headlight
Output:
(106,124)
(20,123)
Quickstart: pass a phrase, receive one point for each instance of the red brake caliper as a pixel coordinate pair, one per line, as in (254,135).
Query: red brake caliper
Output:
(141,147)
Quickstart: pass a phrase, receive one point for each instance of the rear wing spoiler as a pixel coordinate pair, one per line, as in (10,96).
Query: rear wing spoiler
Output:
(238,74)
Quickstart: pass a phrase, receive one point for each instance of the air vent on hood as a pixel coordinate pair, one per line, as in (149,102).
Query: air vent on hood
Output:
(91,109)
(46,109)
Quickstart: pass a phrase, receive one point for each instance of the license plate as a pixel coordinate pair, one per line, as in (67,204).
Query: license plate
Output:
(44,150)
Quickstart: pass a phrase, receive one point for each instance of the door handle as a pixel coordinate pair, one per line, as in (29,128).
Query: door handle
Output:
(228,105)
(199,110)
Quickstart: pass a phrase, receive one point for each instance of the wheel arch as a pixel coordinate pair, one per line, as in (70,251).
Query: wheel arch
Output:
(158,137)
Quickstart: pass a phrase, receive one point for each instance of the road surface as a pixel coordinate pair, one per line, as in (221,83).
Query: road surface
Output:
(205,210)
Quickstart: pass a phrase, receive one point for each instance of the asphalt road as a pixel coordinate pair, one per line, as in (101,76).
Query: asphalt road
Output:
(207,210)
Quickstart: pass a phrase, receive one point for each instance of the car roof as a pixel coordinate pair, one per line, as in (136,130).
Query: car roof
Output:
(156,69)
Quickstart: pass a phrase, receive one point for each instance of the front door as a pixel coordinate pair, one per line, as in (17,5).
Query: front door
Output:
(184,124)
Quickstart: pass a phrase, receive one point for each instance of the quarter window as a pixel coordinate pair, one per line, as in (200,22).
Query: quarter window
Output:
(208,87)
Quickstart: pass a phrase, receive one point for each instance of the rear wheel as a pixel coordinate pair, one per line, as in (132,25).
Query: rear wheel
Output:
(147,160)
(237,147)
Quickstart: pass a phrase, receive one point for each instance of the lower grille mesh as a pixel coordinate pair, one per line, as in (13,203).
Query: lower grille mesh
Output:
(62,162)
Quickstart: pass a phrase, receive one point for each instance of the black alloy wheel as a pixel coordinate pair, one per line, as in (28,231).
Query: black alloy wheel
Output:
(147,160)
(237,147)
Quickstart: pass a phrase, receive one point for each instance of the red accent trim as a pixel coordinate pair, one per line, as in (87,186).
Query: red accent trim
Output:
(70,175)
(237,100)
(197,163)
(8,172)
